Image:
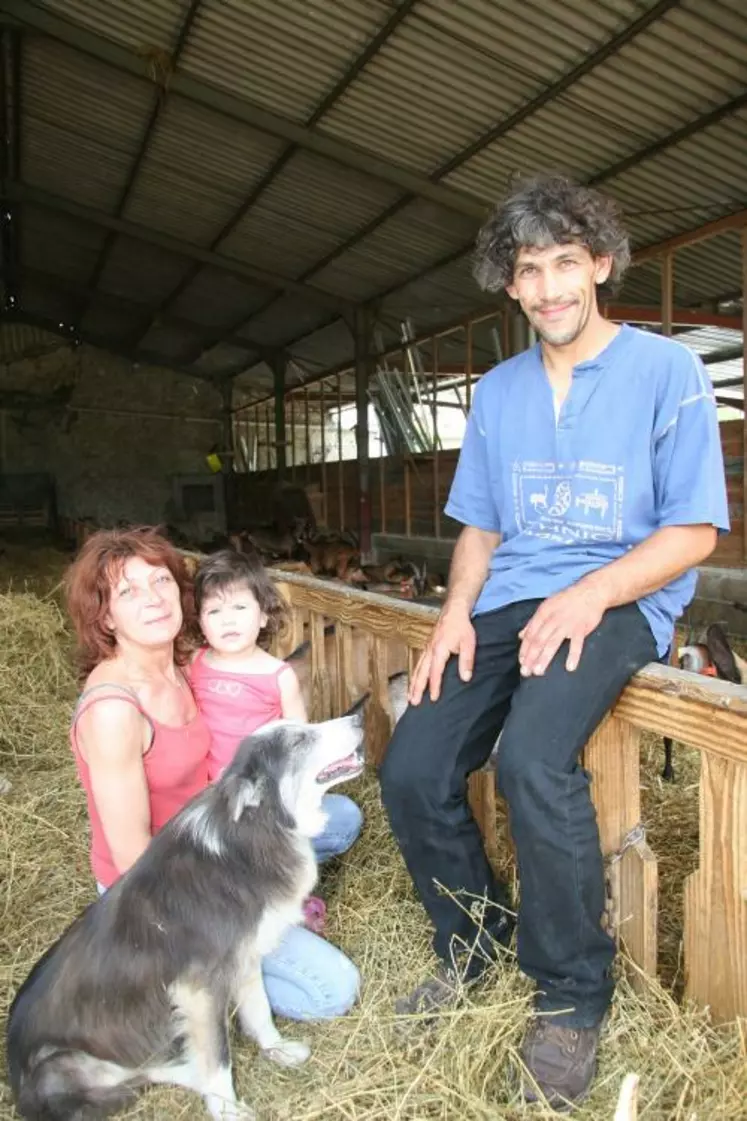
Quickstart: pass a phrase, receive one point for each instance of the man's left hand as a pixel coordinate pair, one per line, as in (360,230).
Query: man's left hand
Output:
(571,614)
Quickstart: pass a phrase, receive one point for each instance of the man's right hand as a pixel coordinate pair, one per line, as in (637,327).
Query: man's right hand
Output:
(453,634)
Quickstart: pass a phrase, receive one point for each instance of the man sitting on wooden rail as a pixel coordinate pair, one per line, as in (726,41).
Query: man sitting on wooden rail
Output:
(590,484)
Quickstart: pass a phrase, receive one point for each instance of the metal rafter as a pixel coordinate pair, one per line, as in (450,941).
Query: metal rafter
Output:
(611,47)
(370,50)
(56,283)
(238,108)
(159,98)
(72,334)
(23,193)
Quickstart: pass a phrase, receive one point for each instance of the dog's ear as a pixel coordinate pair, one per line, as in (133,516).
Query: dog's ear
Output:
(243,794)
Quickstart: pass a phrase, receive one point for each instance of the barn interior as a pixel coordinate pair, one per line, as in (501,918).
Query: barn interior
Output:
(238,302)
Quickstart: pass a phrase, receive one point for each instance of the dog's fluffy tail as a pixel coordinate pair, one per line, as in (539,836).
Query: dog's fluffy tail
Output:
(58,1085)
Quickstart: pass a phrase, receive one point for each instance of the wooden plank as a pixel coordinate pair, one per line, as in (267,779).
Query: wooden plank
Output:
(702,712)
(482,799)
(744,387)
(638,894)
(344,692)
(379,721)
(716,895)
(320,708)
(291,636)
(612,756)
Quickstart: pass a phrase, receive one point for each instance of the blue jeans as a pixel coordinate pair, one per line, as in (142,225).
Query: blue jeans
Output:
(306,977)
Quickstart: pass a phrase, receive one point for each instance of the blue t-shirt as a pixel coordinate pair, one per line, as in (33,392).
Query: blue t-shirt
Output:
(635,447)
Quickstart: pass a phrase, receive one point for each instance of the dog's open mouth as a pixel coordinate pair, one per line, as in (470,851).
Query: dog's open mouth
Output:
(342,768)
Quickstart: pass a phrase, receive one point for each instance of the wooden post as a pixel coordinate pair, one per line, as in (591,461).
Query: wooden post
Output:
(434,414)
(278,371)
(612,757)
(382,488)
(292,402)
(323,431)
(267,437)
(343,668)
(291,637)
(482,800)
(744,382)
(378,712)
(744,393)
(716,894)
(320,683)
(667,293)
(408,497)
(307,473)
(340,482)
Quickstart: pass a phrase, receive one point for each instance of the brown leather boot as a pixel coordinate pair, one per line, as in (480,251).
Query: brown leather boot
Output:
(561,1061)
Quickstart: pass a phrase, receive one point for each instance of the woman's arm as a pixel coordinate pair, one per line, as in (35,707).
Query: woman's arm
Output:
(111,736)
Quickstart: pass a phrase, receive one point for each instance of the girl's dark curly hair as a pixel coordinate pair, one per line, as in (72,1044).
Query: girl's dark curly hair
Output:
(229,569)
(550,210)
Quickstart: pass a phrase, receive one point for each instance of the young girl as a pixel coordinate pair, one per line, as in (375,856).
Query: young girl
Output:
(239,687)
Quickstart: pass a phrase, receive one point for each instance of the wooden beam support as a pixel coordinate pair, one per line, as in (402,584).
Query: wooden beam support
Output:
(735,221)
(744,393)
(363,333)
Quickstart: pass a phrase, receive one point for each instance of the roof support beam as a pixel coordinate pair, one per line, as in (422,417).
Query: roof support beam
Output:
(81,292)
(556,89)
(398,15)
(18,192)
(159,98)
(73,335)
(45,21)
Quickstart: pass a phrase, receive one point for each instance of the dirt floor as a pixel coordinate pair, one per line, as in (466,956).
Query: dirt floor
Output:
(369,1065)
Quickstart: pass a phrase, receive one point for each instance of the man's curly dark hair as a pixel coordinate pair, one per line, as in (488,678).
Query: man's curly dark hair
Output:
(550,210)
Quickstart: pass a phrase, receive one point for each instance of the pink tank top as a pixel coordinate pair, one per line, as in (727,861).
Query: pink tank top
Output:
(233,705)
(176,768)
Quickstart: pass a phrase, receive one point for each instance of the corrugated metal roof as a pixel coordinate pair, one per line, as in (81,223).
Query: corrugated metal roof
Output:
(218,299)
(104,321)
(198,170)
(446,76)
(142,271)
(19,340)
(61,246)
(282,56)
(81,123)
(312,206)
(135,23)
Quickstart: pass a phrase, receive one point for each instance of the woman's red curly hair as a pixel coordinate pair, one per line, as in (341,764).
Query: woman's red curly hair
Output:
(88,586)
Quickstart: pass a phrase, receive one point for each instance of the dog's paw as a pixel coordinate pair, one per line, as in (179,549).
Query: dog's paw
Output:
(288,1053)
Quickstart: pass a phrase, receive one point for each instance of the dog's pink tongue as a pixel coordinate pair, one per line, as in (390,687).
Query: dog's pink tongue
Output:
(314,914)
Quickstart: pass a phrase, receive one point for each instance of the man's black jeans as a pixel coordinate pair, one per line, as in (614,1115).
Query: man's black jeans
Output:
(545,724)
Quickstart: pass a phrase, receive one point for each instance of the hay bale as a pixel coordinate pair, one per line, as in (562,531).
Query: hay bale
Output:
(364,1067)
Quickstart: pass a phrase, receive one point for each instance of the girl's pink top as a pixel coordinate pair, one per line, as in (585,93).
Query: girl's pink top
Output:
(176,768)
(233,705)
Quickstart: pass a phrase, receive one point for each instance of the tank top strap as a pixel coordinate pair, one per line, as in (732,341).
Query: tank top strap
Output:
(113,691)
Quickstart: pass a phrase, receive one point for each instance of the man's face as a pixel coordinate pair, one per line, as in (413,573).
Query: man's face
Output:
(556,288)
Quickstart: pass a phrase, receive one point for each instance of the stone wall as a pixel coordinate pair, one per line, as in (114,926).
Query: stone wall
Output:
(121,435)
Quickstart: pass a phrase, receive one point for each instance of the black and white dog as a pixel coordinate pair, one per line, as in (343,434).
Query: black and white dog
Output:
(139,988)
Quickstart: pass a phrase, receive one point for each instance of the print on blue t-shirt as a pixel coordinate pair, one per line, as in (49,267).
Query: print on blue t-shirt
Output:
(635,447)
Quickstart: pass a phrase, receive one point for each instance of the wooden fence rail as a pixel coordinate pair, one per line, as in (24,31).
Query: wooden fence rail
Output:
(376,636)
